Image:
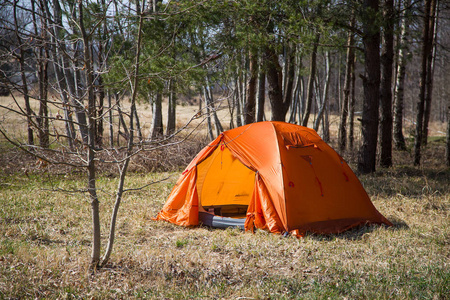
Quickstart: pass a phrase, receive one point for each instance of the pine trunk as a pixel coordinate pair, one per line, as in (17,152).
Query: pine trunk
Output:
(351,108)
(387,61)
(261,97)
(274,86)
(371,84)
(426,48)
(157,120)
(171,110)
(250,104)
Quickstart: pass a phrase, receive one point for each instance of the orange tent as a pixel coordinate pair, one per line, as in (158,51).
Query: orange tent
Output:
(271,175)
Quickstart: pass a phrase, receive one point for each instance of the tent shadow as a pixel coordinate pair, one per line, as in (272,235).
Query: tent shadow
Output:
(358,233)
(399,224)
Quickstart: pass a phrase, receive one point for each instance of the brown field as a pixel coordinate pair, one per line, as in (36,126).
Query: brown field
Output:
(45,236)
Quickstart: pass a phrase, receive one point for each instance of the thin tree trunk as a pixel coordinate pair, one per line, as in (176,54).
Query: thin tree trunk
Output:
(96,243)
(243,95)
(157,122)
(26,95)
(250,103)
(210,101)
(237,101)
(138,123)
(60,82)
(371,83)
(261,96)
(122,123)
(230,100)
(426,49)
(312,75)
(325,91)
(68,76)
(289,75)
(447,144)
(124,168)
(430,69)
(43,107)
(326,124)
(342,136)
(42,75)
(295,105)
(110,118)
(274,86)
(171,109)
(208,114)
(351,109)
(387,61)
(101,101)
(301,92)
(399,139)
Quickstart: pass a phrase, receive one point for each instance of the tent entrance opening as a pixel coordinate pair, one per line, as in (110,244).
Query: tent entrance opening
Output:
(225,186)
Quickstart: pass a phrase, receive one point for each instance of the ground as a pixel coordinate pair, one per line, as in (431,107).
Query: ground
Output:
(45,239)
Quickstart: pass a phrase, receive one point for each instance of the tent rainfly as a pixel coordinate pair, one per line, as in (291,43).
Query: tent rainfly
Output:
(275,176)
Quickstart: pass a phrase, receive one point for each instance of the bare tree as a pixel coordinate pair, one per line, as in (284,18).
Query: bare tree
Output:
(21,57)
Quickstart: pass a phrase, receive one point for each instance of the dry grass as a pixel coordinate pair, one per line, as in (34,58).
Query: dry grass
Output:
(45,244)
(45,239)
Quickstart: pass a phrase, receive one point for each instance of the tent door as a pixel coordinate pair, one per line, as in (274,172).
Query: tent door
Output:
(225,186)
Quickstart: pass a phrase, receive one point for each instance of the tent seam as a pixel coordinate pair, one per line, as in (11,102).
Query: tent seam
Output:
(282,178)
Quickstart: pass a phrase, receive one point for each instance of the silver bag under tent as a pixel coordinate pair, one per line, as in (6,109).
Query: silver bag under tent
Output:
(220,222)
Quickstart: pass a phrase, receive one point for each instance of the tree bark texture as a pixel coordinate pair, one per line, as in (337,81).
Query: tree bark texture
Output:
(208,114)
(157,120)
(250,104)
(274,86)
(387,61)
(289,74)
(426,49)
(351,108)
(261,96)
(342,135)
(42,57)
(430,69)
(96,243)
(398,137)
(312,75)
(324,101)
(171,109)
(371,84)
